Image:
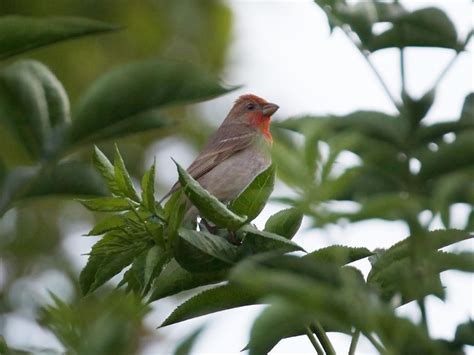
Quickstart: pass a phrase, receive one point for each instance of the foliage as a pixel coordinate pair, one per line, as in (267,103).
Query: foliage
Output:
(157,252)
(144,227)
(42,161)
(37,122)
(82,326)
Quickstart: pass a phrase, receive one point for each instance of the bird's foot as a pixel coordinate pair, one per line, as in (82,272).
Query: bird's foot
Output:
(232,237)
(210,228)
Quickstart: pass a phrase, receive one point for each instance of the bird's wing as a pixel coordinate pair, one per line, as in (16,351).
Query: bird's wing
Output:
(215,153)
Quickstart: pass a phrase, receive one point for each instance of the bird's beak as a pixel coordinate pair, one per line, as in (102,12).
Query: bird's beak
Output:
(269,109)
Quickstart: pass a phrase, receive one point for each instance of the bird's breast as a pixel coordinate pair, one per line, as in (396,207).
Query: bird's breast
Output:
(234,174)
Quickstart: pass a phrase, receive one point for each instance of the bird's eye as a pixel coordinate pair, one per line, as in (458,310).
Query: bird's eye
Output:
(250,106)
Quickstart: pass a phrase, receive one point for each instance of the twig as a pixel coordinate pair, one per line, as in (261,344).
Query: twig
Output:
(402,71)
(375,343)
(323,338)
(364,52)
(354,341)
(452,61)
(313,341)
(395,102)
(144,223)
(424,317)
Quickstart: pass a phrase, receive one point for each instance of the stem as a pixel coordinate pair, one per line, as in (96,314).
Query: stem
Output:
(355,339)
(418,238)
(402,70)
(144,223)
(452,61)
(375,343)
(445,70)
(395,102)
(364,52)
(323,338)
(424,318)
(313,341)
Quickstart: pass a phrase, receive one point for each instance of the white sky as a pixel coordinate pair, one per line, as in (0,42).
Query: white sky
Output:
(281,51)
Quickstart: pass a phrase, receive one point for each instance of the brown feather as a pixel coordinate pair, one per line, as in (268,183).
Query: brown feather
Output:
(237,132)
(223,145)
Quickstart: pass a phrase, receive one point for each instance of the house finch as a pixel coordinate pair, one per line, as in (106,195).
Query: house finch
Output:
(236,153)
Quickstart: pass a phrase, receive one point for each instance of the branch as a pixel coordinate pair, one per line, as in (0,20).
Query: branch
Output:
(452,61)
(313,341)
(346,29)
(323,338)
(424,317)
(354,341)
(375,343)
(402,71)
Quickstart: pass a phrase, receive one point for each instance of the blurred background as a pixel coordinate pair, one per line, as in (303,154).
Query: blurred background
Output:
(280,50)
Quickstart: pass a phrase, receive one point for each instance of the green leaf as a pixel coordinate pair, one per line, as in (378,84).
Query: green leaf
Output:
(291,166)
(388,206)
(174,210)
(316,287)
(108,257)
(3,346)
(154,262)
(467,113)
(148,188)
(434,240)
(370,124)
(257,241)
(285,222)
(22,33)
(277,321)
(32,102)
(393,270)
(336,298)
(427,27)
(14,184)
(465,333)
(185,346)
(436,131)
(71,178)
(174,279)
(271,270)
(107,204)
(362,16)
(418,108)
(145,268)
(209,206)
(202,251)
(449,157)
(110,323)
(450,261)
(152,120)
(122,178)
(404,337)
(339,254)
(133,89)
(112,222)
(106,169)
(400,278)
(452,188)
(252,200)
(213,300)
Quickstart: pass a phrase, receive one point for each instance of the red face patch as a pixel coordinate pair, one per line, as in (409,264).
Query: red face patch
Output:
(263,123)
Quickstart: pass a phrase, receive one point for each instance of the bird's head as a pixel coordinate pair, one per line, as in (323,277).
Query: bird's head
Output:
(254,111)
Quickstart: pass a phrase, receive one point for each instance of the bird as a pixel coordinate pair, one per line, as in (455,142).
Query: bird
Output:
(236,153)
